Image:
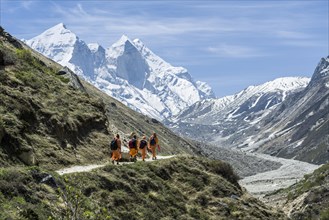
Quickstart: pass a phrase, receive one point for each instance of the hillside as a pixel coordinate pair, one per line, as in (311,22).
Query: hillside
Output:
(181,188)
(51,118)
(307,199)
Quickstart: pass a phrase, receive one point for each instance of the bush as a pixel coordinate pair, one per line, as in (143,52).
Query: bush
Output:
(63,79)
(29,78)
(24,55)
(225,170)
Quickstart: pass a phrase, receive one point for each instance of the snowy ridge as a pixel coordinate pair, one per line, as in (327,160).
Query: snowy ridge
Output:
(127,70)
(216,120)
(287,117)
(64,38)
(250,100)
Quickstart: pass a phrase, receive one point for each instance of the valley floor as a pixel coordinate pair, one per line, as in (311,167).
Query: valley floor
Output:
(289,173)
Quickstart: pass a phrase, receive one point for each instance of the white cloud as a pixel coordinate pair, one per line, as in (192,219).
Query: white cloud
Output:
(234,51)
(27,4)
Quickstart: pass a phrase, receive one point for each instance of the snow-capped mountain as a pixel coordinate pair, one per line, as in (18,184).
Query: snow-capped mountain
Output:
(64,47)
(299,127)
(287,117)
(214,120)
(127,70)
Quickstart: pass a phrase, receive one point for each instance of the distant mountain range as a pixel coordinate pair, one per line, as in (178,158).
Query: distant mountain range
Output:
(128,71)
(288,117)
(218,118)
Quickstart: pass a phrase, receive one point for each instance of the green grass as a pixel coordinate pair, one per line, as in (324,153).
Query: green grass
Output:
(135,191)
(39,110)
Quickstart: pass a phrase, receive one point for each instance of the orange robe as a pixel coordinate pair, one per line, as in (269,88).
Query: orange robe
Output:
(133,152)
(143,151)
(116,154)
(153,147)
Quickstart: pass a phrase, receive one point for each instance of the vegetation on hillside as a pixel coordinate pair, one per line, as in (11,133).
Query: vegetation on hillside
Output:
(314,189)
(47,121)
(43,120)
(179,188)
(309,198)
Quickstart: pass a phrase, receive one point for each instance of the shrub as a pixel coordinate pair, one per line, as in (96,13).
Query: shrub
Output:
(29,78)
(225,170)
(24,55)
(63,79)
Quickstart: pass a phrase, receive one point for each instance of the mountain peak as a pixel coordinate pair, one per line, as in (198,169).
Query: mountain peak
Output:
(56,33)
(57,43)
(58,28)
(123,39)
(283,84)
(322,69)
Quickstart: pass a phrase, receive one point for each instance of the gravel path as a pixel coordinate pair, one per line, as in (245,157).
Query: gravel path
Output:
(289,173)
(87,168)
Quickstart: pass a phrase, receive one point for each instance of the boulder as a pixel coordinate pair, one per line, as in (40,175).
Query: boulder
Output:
(27,156)
(74,79)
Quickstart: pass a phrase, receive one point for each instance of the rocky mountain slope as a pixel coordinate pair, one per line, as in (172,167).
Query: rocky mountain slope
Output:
(127,70)
(287,117)
(307,199)
(213,120)
(297,128)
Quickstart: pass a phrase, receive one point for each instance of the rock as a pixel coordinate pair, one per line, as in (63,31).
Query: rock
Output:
(74,79)
(49,180)
(28,157)
(155,121)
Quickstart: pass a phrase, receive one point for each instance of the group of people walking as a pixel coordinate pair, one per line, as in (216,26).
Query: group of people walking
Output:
(135,145)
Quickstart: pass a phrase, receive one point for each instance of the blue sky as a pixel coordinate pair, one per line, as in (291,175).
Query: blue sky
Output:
(228,44)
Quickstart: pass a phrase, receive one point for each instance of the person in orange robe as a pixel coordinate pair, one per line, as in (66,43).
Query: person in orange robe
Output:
(133,150)
(143,146)
(116,154)
(153,143)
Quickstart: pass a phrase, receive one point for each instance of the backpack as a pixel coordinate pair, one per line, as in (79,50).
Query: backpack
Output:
(114,144)
(152,141)
(132,143)
(142,144)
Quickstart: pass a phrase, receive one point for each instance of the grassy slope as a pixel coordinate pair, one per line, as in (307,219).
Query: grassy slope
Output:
(124,120)
(44,121)
(180,188)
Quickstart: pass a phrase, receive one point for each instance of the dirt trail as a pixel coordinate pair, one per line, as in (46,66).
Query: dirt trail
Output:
(87,168)
(289,173)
